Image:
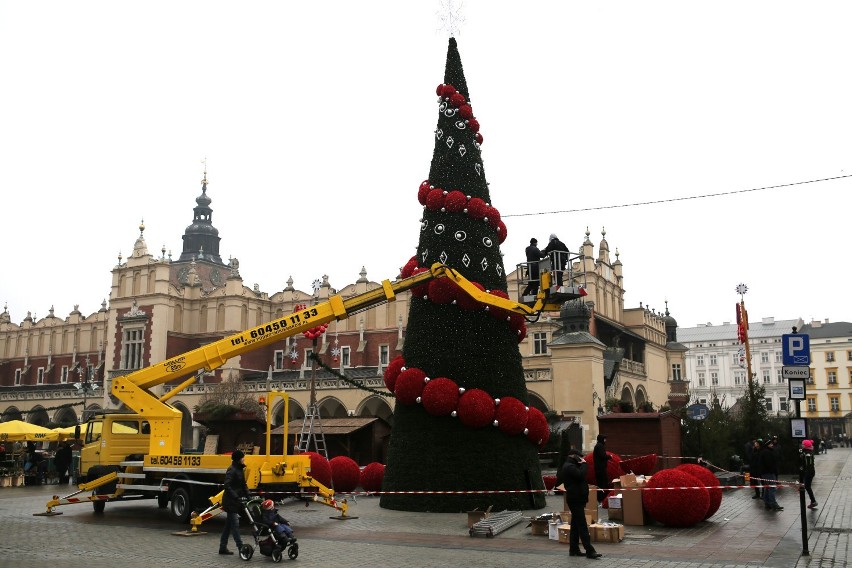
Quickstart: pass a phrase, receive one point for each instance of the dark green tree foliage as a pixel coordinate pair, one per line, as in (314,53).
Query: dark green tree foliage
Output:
(473,348)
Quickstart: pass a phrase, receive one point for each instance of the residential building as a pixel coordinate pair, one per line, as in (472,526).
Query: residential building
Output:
(828,404)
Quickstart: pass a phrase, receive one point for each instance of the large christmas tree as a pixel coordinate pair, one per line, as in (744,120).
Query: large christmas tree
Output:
(461,422)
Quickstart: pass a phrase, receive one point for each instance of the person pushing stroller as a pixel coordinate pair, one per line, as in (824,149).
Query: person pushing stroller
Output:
(269,516)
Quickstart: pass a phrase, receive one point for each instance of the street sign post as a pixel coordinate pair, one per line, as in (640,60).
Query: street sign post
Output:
(796,349)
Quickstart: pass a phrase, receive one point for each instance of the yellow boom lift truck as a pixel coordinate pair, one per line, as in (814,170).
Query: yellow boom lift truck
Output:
(136,454)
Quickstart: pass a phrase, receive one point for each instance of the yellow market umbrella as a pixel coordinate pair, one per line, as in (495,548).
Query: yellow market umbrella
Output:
(17,430)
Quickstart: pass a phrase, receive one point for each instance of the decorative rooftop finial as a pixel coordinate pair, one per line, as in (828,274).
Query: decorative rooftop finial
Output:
(616,253)
(163,250)
(667,306)
(603,232)
(119,258)
(204,179)
(741,290)
(141,227)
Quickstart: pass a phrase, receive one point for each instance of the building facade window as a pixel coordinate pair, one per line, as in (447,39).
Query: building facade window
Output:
(17,377)
(701,381)
(384,352)
(764,357)
(278,360)
(834,403)
(700,360)
(832,376)
(778,357)
(767,402)
(810,379)
(812,404)
(829,356)
(539,343)
(344,356)
(849,355)
(40,376)
(714,379)
(308,353)
(712,360)
(782,403)
(767,377)
(676,374)
(63,374)
(779,378)
(132,348)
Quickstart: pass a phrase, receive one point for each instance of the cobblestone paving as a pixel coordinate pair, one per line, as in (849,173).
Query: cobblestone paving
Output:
(137,534)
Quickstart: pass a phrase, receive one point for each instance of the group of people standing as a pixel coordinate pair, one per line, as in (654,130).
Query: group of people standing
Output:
(534,255)
(764,461)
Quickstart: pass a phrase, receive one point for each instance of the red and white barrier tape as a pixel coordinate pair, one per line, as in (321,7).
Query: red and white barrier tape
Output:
(506,491)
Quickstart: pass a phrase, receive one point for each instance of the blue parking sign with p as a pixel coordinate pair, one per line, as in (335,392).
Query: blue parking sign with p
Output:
(796,349)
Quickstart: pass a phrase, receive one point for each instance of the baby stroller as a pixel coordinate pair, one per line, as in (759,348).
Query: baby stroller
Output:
(268,542)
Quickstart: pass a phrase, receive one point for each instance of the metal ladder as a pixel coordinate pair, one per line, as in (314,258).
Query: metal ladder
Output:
(307,434)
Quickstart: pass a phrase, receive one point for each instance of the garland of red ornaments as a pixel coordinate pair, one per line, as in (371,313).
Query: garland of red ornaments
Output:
(454,201)
(314,332)
(448,93)
(475,408)
(445,291)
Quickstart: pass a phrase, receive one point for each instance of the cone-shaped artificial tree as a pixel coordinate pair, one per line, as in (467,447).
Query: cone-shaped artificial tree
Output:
(462,421)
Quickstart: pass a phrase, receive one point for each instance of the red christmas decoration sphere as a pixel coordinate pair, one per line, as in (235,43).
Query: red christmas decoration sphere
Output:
(457,99)
(473,124)
(538,431)
(613,467)
(476,208)
(493,216)
(502,232)
(478,138)
(476,408)
(466,112)
(435,199)
(440,396)
(511,416)
(642,465)
(522,332)
(320,469)
(455,201)
(409,385)
(443,291)
(496,312)
(409,267)
(424,190)
(676,507)
(372,476)
(710,481)
(392,371)
(345,473)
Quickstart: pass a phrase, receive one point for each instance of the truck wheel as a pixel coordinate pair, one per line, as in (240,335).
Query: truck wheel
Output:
(98,506)
(181,505)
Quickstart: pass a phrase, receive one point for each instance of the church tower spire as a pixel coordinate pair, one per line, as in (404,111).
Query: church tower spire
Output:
(201,235)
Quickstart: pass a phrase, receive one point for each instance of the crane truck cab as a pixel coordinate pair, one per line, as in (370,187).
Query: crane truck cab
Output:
(111,439)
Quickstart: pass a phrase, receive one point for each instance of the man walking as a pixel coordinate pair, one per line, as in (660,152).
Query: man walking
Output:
(235,491)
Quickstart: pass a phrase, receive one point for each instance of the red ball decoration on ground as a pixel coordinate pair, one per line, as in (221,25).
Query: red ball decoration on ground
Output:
(372,476)
(476,208)
(440,396)
(435,199)
(613,467)
(476,408)
(467,302)
(642,465)
(710,481)
(345,473)
(443,291)
(549,481)
(511,416)
(392,371)
(409,385)
(455,201)
(676,507)
(537,430)
(320,470)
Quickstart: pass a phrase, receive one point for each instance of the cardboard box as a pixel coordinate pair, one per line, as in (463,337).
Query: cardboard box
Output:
(539,527)
(616,501)
(592,503)
(564,533)
(591,516)
(616,515)
(608,532)
(634,512)
(628,480)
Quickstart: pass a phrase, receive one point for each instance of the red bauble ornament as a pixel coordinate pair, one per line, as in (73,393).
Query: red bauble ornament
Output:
(676,507)
(538,431)
(473,124)
(457,99)
(409,267)
(549,481)
(345,473)
(466,112)
(710,481)
(435,199)
(440,90)
(476,208)
(496,312)
(409,385)
(443,291)
(424,190)
(440,396)
(392,371)
(469,303)
(502,232)
(643,465)
(493,217)
(422,289)
(613,467)
(455,201)
(478,138)
(320,469)
(372,476)
(476,408)
(511,416)
(445,90)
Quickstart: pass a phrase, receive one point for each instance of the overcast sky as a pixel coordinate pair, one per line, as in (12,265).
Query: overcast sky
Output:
(317,118)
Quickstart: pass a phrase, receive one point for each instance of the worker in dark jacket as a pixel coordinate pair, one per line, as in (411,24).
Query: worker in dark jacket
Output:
(235,491)
(754,467)
(559,256)
(576,496)
(533,257)
(601,458)
(769,469)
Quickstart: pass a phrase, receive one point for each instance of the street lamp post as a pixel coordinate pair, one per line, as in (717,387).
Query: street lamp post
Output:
(86,387)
